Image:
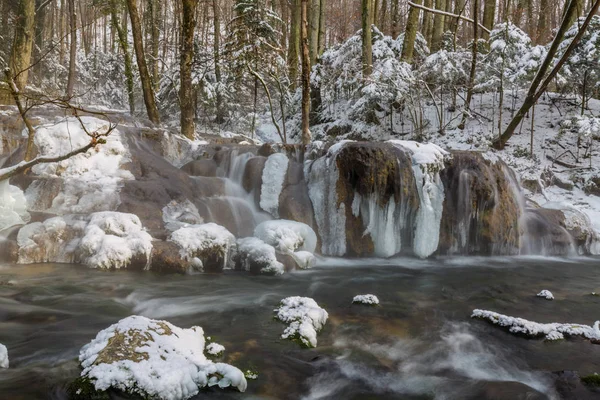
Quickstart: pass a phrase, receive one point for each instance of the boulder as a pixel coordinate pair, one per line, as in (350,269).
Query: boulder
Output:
(200,168)
(166,258)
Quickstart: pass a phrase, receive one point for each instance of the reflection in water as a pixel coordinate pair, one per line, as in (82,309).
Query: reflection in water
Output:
(419,344)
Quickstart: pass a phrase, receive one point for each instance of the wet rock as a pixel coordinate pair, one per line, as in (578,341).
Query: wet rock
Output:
(252,179)
(166,258)
(570,386)
(499,390)
(546,232)
(592,186)
(200,168)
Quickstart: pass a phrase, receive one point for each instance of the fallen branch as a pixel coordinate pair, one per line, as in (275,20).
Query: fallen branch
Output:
(434,11)
(561,163)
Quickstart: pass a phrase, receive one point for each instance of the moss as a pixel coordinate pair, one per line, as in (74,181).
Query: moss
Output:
(82,388)
(591,380)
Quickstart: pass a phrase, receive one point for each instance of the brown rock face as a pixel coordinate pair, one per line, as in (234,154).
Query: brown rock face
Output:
(481,210)
(200,168)
(166,258)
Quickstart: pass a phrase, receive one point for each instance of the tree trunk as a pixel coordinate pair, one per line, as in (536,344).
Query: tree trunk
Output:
(72,49)
(531,98)
(306,137)
(322,16)
(315,12)
(124,44)
(438,26)
(138,45)
(186,91)
(367,52)
(410,34)
(154,6)
(220,117)
(427,19)
(395,28)
(294,43)
(573,16)
(471,82)
(20,56)
(542,25)
(489,10)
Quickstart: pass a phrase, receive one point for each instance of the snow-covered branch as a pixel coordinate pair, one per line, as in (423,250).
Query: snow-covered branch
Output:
(434,11)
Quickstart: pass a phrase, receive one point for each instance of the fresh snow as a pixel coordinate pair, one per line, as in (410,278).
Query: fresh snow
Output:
(194,239)
(154,359)
(273,177)
(304,318)
(112,240)
(215,349)
(3,356)
(369,299)
(287,236)
(304,259)
(546,294)
(551,331)
(253,251)
(13,206)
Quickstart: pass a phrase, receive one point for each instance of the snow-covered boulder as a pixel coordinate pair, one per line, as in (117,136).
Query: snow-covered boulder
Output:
(209,246)
(13,206)
(256,256)
(215,349)
(368,299)
(114,240)
(304,318)
(54,240)
(551,331)
(3,356)
(178,214)
(304,259)
(154,359)
(287,236)
(546,294)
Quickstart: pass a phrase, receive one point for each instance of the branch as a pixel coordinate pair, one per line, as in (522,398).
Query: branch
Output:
(264,85)
(44,4)
(14,91)
(434,11)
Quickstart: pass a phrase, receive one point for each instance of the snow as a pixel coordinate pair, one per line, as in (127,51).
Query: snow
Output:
(253,251)
(3,356)
(215,349)
(195,239)
(304,318)
(154,359)
(54,240)
(304,259)
(273,177)
(13,206)
(287,236)
(546,294)
(112,240)
(551,331)
(92,179)
(369,299)
(178,214)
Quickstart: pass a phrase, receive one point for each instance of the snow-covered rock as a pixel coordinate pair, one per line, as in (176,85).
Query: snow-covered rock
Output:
(13,206)
(54,240)
(304,259)
(551,331)
(178,214)
(273,177)
(287,236)
(304,318)
(215,349)
(546,294)
(114,240)
(154,359)
(368,299)
(256,256)
(3,356)
(209,245)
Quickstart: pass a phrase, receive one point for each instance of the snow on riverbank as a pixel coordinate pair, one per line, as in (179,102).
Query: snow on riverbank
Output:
(304,318)
(154,359)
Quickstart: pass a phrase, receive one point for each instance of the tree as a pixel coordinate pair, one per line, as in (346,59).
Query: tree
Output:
(412,25)
(220,117)
(314,24)
(367,51)
(186,91)
(294,42)
(138,45)
(489,9)
(474,51)
(20,57)
(72,49)
(306,137)
(124,44)
(438,26)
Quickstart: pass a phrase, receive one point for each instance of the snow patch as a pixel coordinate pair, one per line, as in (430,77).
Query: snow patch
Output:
(13,206)
(215,349)
(287,236)
(154,359)
(304,318)
(546,294)
(253,253)
(273,177)
(3,356)
(369,299)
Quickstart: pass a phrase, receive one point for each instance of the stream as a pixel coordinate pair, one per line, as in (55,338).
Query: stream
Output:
(420,343)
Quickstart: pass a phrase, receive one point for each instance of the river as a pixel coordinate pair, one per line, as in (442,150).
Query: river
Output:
(420,343)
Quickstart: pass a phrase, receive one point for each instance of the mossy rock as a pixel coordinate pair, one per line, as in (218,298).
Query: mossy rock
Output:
(82,388)
(591,380)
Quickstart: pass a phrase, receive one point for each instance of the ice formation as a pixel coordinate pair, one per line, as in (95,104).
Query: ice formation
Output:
(304,259)
(551,331)
(257,256)
(304,318)
(215,349)
(178,214)
(113,240)
(546,294)
(154,359)
(197,239)
(428,161)
(287,236)
(273,177)
(369,299)
(54,240)
(13,206)
(94,178)
(3,356)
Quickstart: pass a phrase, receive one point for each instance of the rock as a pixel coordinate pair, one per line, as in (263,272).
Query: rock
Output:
(570,386)
(210,245)
(592,186)
(545,232)
(252,179)
(501,390)
(166,258)
(200,168)
(255,256)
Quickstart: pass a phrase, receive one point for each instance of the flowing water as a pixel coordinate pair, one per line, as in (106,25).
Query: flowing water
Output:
(420,343)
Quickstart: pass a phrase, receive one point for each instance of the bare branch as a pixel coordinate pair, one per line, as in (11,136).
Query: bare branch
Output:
(434,11)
